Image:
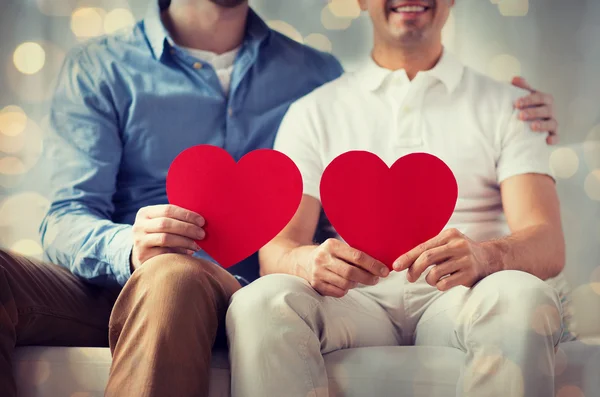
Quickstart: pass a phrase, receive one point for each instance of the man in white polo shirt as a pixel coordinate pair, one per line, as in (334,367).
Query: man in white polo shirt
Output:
(476,287)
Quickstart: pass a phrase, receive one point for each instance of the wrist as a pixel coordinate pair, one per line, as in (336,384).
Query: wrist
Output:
(300,257)
(494,256)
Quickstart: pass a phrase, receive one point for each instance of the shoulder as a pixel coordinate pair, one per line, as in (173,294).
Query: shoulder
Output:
(104,49)
(323,99)
(491,93)
(302,56)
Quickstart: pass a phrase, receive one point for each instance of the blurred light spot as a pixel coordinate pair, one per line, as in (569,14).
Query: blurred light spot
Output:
(513,8)
(592,185)
(570,391)
(546,320)
(318,41)
(88,22)
(591,148)
(56,8)
(331,22)
(286,29)
(27,248)
(564,162)
(449,31)
(12,121)
(586,306)
(25,149)
(596,280)
(29,58)
(486,365)
(12,166)
(117,19)
(504,67)
(16,208)
(345,8)
(11,144)
(37,87)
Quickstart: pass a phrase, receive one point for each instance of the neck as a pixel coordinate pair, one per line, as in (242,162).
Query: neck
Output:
(413,60)
(206,26)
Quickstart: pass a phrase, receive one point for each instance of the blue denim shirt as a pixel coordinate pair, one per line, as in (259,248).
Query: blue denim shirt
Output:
(126,105)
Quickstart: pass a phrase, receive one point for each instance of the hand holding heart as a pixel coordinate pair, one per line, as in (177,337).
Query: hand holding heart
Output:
(334,268)
(456,260)
(164,229)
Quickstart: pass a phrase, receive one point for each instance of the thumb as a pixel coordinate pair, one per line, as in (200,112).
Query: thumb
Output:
(521,83)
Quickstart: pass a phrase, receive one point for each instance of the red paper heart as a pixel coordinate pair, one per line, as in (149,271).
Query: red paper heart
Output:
(245,204)
(386,212)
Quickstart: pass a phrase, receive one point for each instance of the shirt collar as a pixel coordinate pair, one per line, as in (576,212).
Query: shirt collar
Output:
(448,70)
(158,36)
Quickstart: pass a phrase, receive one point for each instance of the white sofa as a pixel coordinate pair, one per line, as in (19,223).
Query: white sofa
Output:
(398,371)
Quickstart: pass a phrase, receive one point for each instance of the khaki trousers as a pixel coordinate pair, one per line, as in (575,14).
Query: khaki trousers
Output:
(160,327)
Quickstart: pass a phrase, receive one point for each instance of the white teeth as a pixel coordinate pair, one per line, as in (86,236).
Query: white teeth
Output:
(409,9)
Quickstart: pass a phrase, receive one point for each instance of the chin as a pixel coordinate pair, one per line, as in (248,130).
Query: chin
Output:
(228,3)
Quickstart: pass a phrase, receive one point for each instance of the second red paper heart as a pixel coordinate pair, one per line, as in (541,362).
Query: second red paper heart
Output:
(385,212)
(245,204)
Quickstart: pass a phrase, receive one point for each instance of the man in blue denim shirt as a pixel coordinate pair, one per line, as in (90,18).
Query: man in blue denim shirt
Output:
(192,72)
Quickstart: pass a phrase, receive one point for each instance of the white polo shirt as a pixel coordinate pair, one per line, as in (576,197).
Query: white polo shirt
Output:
(464,118)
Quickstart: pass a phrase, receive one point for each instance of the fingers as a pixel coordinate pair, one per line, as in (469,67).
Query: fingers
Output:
(428,258)
(408,259)
(545,125)
(441,270)
(536,113)
(534,99)
(172,212)
(552,139)
(456,279)
(338,281)
(166,240)
(521,83)
(357,258)
(174,226)
(352,273)
(327,289)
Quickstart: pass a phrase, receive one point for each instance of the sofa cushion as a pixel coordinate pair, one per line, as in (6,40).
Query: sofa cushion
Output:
(374,371)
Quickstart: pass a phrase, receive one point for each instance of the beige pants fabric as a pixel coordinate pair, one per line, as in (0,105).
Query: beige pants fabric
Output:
(160,327)
(509,325)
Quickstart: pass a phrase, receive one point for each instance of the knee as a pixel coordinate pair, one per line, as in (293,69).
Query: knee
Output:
(520,294)
(172,275)
(273,298)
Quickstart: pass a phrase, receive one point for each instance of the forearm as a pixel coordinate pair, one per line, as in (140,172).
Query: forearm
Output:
(89,245)
(283,255)
(539,250)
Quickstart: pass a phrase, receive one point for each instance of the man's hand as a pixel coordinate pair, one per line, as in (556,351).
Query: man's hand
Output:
(334,268)
(164,229)
(458,260)
(537,108)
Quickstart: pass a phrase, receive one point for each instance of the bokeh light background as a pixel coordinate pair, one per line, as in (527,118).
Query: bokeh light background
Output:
(555,44)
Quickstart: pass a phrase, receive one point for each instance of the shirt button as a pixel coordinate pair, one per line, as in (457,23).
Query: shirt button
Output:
(230,112)
(197,65)
(172,51)
(406,109)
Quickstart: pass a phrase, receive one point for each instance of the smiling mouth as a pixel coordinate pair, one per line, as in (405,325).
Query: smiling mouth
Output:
(409,9)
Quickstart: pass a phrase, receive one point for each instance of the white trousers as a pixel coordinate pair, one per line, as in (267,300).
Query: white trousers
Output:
(509,325)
